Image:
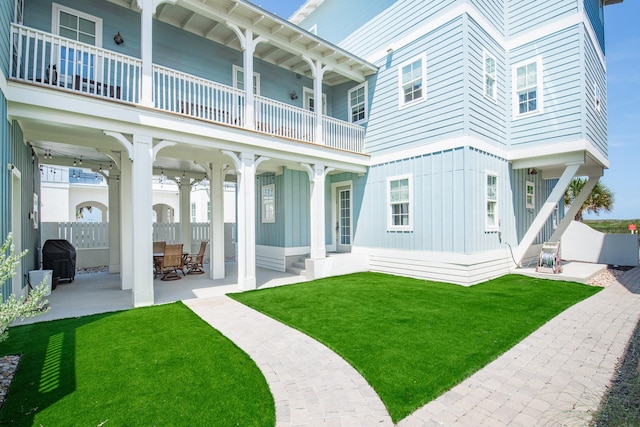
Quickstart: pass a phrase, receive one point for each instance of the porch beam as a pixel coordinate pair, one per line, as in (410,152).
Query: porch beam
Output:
(545,212)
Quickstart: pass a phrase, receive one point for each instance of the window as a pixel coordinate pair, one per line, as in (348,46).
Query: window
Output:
(490,76)
(528,88)
(193,212)
(399,200)
(269,203)
(238,80)
(78,26)
(530,196)
(358,103)
(597,98)
(555,218)
(491,201)
(412,79)
(309,102)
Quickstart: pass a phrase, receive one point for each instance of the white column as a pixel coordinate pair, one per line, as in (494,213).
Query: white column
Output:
(216,230)
(126,223)
(317,178)
(142,235)
(185,213)
(545,211)
(248,80)
(246,226)
(317,71)
(146,48)
(114,222)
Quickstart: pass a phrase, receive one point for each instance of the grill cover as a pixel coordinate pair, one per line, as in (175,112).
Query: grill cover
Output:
(60,256)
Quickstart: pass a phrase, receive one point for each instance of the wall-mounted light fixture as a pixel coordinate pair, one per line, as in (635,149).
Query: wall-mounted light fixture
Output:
(118,39)
(293,95)
(532,171)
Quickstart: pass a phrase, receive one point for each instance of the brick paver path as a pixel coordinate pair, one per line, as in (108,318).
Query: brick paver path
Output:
(555,377)
(310,384)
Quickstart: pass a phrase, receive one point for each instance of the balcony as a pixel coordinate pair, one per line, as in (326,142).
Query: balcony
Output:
(47,60)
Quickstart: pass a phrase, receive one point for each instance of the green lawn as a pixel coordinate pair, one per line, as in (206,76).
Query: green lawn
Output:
(412,340)
(156,366)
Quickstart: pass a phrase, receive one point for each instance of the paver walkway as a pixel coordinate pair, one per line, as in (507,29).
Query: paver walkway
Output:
(310,384)
(554,377)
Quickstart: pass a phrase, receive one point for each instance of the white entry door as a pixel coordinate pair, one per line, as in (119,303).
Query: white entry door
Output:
(343,220)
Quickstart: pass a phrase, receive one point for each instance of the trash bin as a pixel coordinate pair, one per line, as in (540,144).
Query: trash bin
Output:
(37,276)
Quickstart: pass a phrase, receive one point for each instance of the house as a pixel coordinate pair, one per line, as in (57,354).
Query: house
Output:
(425,138)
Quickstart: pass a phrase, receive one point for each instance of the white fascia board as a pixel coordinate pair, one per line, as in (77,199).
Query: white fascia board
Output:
(507,44)
(554,150)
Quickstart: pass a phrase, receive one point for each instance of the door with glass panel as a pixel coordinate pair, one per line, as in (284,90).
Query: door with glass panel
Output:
(343,220)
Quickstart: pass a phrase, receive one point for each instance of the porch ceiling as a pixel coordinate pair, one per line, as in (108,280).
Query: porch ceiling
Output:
(286,45)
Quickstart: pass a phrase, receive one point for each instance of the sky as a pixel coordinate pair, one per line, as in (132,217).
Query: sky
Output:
(622,45)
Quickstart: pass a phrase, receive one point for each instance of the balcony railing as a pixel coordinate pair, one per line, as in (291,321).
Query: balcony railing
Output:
(48,60)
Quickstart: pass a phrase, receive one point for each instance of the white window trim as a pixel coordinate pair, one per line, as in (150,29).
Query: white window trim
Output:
(597,97)
(486,55)
(55,14)
(308,93)
(236,69)
(532,204)
(265,218)
(401,103)
(364,85)
(539,88)
(495,226)
(390,226)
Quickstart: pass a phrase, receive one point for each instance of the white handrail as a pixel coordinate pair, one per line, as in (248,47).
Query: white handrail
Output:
(49,60)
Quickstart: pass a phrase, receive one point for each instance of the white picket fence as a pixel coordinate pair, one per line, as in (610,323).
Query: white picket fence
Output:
(95,235)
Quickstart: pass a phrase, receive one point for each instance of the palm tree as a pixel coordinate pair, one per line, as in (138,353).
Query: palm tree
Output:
(601,198)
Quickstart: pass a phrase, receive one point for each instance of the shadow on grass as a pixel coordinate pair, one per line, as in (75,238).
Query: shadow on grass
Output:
(159,365)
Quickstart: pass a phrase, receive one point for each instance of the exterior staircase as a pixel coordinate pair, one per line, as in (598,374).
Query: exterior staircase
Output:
(298,267)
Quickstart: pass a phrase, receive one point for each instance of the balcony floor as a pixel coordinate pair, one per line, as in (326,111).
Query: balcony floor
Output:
(92,293)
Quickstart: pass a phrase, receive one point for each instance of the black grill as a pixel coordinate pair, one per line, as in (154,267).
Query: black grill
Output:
(60,256)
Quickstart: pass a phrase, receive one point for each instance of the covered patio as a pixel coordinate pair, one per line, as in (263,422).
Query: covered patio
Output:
(100,292)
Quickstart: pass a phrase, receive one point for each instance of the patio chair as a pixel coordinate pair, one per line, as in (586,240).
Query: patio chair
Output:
(158,248)
(194,262)
(171,262)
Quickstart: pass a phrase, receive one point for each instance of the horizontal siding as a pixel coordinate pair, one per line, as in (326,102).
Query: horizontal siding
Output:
(525,15)
(595,122)
(439,116)
(486,117)
(593,11)
(562,88)
(398,20)
(494,11)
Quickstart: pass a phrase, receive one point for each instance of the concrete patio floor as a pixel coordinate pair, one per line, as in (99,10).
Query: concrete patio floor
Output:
(92,293)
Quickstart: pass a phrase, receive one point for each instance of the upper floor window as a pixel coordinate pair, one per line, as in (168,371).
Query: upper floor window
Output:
(76,25)
(268,203)
(412,78)
(597,97)
(490,76)
(238,80)
(491,195)
(358,103)
(399,201)
(530,195)
(527,78)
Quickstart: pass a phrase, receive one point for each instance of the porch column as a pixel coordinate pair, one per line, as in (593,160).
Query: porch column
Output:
(185,213)
(146,49)
(248,44)
(216,221)
(114,222)
(545,211)
(317,177)
(318,73)
(126,223)
(142,234)
(575,206)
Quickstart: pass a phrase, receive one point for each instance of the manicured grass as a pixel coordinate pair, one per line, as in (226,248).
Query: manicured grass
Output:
(411,339)
(156,366)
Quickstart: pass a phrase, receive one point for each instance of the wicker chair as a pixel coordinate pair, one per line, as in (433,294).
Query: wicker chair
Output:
(194,262)
(171,262)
